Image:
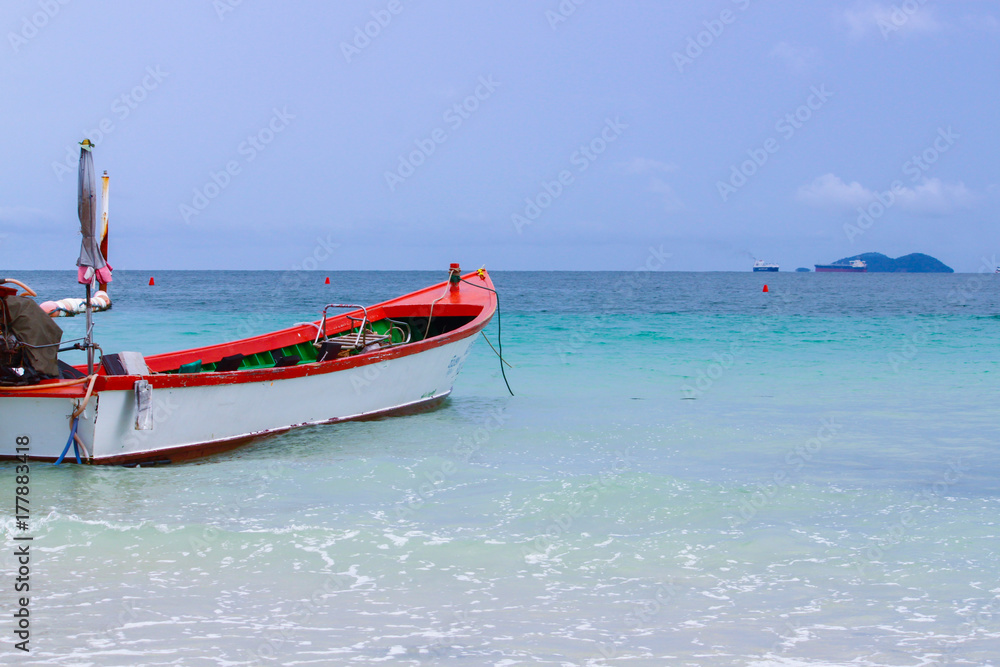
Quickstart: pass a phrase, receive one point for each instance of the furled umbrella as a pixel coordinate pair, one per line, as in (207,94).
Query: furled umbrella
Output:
(91,263)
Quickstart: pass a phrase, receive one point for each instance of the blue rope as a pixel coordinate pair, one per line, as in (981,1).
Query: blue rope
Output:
(71,441)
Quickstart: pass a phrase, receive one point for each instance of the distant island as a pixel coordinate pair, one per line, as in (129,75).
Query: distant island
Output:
(916,262)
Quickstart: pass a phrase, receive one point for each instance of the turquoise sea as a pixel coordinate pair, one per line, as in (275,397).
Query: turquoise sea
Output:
(692,472)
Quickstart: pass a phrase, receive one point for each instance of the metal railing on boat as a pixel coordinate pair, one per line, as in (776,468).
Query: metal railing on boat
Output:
(366,334)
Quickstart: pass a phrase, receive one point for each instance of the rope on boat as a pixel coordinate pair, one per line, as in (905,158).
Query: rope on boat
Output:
(86,397)
(499,334)
(82,444)
(483,334)
(71,441)
(46,387)
(62,342)
(74,439)
(430,316)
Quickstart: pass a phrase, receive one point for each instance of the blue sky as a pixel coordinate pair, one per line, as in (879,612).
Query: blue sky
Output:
(539,134)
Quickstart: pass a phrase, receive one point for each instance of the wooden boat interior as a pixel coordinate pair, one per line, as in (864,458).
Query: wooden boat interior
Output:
(344,335)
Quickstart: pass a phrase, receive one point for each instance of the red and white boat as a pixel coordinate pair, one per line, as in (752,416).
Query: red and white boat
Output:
(395,356)
(401,355)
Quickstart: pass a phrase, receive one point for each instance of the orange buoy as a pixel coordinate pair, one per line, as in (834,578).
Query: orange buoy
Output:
(765,289)
(328,280)
(151,281)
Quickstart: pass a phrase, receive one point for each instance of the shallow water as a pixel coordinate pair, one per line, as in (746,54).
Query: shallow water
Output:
(692,473)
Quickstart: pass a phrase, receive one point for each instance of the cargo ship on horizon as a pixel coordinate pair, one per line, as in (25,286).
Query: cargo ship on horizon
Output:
(856,266)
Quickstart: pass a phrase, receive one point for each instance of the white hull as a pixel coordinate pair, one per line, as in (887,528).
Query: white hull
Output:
(199,419)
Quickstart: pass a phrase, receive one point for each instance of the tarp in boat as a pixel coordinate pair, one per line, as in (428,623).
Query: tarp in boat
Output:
(32,325)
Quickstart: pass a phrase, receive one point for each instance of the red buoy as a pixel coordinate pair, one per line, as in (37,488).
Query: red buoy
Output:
(328,280)
(765,289)
(151,281)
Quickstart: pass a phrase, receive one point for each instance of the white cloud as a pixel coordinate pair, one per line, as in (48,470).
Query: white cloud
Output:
(831,191)
(798,59)
(931,197)
(643,165)
(877,18)
(935,197)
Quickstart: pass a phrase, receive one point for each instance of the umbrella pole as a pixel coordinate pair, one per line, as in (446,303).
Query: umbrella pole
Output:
(88,341)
